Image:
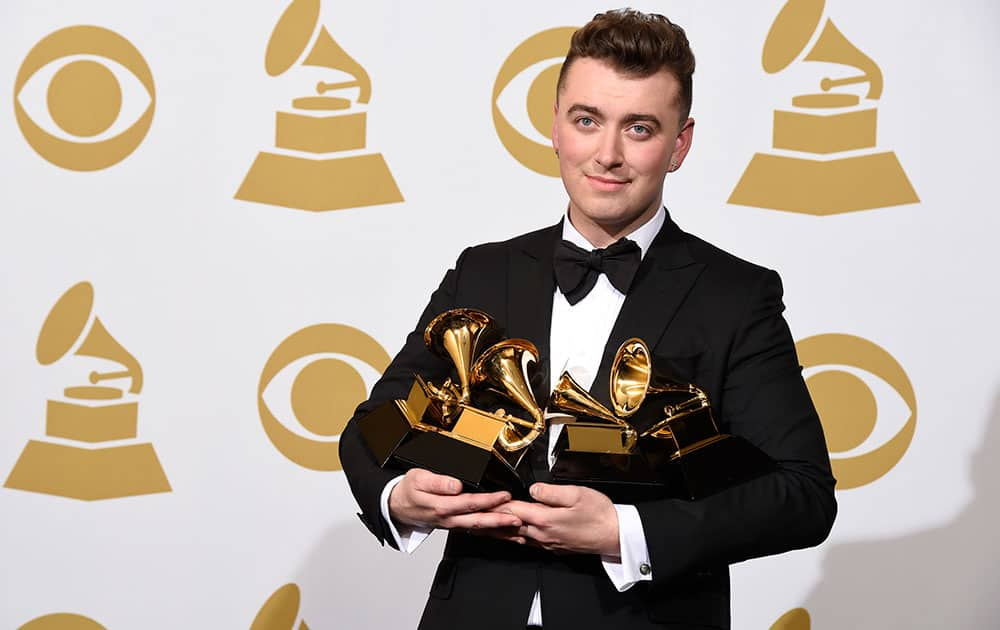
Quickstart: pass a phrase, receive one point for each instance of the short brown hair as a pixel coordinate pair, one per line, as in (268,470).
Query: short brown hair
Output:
(636,44)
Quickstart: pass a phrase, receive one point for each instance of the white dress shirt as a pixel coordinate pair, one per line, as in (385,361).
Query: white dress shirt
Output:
(577,338)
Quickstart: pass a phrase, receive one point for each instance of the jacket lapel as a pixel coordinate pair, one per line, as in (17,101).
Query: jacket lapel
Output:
(664,278)
(530,287)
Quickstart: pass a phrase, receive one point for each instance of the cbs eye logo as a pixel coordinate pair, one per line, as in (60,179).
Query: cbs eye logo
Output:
(315,376)
(76,93)
(525,124)
(844,373)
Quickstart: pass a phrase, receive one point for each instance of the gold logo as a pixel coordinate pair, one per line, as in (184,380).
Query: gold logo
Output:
(62,621)
(84,99)
(794,619)
(544,53)
(828,162)
(324,392)
(320,162)
(280,611)
(76,465)
(847,406)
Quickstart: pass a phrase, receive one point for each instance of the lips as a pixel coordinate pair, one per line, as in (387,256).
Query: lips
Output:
(606,183)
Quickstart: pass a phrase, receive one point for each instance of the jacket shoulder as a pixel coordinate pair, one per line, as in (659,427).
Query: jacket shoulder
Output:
(723,266)
(534,242)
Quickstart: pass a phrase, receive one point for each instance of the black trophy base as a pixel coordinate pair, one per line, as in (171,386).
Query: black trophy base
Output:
(725,462)
(385,428)
(624,477)
(477,466)
(396,439)
(651,473)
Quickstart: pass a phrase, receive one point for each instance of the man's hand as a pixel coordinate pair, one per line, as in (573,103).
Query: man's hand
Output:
(569,519)
(426,499)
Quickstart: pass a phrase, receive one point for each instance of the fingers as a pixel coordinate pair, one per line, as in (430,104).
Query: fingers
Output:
(482,521)
(535,513)
(555,495)
(433,483)
(466,503)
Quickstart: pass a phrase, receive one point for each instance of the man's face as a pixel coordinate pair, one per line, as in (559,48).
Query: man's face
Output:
(616,138)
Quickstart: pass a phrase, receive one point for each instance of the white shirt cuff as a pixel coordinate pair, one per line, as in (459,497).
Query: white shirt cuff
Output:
(633,566)
(407,538)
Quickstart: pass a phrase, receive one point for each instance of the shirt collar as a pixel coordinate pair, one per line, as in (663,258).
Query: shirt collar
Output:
(643,235)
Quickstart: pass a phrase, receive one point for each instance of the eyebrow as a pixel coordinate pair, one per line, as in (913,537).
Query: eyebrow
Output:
(629,119)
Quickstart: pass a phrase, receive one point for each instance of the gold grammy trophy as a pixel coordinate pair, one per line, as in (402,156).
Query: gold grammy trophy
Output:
(659,439)
(89,461)
(321,162)
(828,163)
(461,427)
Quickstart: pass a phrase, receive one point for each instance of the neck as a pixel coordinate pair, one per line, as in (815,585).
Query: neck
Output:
(601,235)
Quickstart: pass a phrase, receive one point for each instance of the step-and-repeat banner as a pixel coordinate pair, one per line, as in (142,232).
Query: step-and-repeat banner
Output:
(218,220)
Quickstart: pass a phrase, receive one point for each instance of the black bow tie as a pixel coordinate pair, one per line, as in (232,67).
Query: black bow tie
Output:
(577,269)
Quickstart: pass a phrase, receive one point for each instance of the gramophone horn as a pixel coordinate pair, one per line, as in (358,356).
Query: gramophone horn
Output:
(631,374)
(570,398)
(66,324)
(99,343)
(292,34)
(327,53)
(792,31)
(832,46)
(503,368)
(460,335)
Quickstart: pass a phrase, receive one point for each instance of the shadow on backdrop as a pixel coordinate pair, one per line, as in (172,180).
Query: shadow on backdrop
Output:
(349,581)
(946,577)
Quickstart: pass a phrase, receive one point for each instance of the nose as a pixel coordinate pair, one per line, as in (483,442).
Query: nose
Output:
(609,151)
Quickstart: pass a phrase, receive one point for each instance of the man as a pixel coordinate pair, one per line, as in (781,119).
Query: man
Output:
(571,558)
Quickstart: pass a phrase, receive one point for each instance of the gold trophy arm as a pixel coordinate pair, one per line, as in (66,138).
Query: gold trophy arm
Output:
(447,398)
(674,412)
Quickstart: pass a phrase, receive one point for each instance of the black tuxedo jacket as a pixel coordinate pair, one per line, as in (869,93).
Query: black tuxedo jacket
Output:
(708,317)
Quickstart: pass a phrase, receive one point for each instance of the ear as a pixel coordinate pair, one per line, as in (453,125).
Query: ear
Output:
(555,127)
(683,143)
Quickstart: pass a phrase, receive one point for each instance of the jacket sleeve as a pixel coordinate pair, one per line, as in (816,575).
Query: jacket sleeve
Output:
(765,400)
(364,475)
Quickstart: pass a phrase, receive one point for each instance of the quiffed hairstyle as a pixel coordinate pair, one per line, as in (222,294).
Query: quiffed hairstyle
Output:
(636,44)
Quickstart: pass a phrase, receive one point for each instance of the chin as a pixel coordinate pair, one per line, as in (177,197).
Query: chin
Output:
(611,217)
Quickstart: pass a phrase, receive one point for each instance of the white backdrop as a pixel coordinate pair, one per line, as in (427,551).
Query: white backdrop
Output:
(202,288)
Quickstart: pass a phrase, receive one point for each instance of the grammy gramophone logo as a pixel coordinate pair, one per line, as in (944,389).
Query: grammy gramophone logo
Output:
(91,451)
(825,160)
(320,162)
